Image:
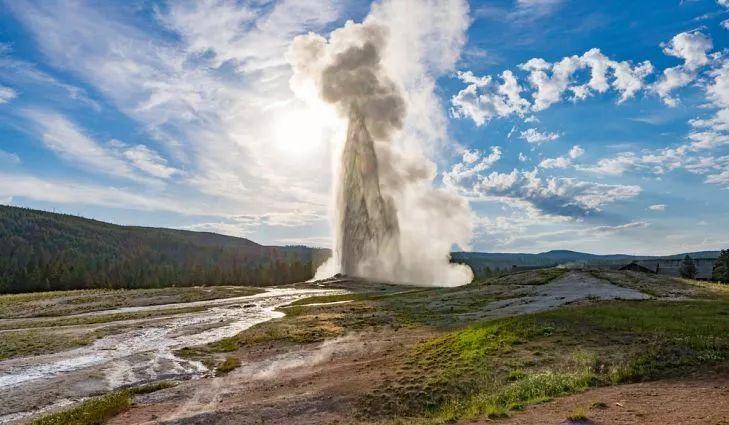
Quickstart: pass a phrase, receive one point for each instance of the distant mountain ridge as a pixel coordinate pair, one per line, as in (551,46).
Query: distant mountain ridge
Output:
(484,262)
(41,250)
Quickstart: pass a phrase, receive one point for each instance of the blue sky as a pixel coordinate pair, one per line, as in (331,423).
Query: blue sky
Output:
(181,114)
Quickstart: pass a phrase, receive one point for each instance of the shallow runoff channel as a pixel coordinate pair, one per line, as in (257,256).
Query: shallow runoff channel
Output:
(137,354)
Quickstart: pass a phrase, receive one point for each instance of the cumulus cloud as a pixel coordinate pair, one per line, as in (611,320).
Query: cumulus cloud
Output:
(532,135)
(552,82)
(473,162)
(484,99)
(566,197)
(563,161)
(702,152)
(692,47)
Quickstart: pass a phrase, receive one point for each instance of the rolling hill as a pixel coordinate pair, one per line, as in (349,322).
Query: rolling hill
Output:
(484,263)
(47,251)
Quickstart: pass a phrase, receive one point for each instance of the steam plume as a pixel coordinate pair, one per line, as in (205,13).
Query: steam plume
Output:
(389,220)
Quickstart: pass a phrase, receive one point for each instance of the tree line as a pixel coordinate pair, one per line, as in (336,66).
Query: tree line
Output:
(41,251)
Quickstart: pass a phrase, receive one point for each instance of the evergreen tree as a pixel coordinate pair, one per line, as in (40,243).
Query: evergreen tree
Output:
(42,251)
(688,268)
(721,268)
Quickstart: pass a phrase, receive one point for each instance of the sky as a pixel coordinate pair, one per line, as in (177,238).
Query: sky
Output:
(591,125)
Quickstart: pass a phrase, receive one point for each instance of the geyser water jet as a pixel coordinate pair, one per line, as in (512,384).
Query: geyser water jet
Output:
(368,228)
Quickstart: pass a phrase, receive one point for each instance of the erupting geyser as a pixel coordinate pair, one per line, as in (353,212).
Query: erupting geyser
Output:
(368,221)
(390,223)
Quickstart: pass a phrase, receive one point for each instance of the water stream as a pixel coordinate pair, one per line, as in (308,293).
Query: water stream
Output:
(138,354)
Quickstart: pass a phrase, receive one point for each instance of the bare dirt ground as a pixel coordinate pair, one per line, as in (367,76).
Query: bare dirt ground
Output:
(692,400)
(316,383)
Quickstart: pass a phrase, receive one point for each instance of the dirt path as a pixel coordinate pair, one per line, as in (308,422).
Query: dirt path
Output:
(694,400)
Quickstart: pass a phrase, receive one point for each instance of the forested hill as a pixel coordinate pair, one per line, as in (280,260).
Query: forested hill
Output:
(46,251)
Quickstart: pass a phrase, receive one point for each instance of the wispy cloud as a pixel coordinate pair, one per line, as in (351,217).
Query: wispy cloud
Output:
(9,157)
(69,142)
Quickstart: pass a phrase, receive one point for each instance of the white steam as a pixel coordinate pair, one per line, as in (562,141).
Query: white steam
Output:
(390,222)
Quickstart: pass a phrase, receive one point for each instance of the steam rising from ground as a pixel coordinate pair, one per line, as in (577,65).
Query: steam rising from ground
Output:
(390,222)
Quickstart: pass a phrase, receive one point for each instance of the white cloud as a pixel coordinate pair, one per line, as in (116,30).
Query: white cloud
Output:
(9,157)
(532,135)
(213,119)
(614,165)
(563,161)
(144,159)
(7,94)
(552,196)
(692,47)
(483,99)
(473,162)
(25,74)
(76,193)
(69,142)
(658,207)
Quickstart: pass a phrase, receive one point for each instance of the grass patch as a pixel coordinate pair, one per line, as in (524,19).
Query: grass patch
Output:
(492,368)
(99,409)
(322,299)
(63,303)
(35,342)
(578,414)
(601,405)
(98,319)
(530,277)
(230,363)
(662,286)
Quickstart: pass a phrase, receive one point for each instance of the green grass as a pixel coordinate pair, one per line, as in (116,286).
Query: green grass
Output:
(330,299)
(62,303)
(98,319)
(99,409)
(36,342)
(493,368)
(578,414)
(230,363)
(529,277)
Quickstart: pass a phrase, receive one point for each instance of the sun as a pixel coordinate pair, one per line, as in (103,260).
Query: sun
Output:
(298,130)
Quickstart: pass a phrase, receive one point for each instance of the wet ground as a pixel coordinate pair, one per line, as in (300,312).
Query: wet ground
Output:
(316,364)
(137,351)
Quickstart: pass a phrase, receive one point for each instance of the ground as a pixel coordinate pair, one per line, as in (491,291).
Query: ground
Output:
(541,346)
